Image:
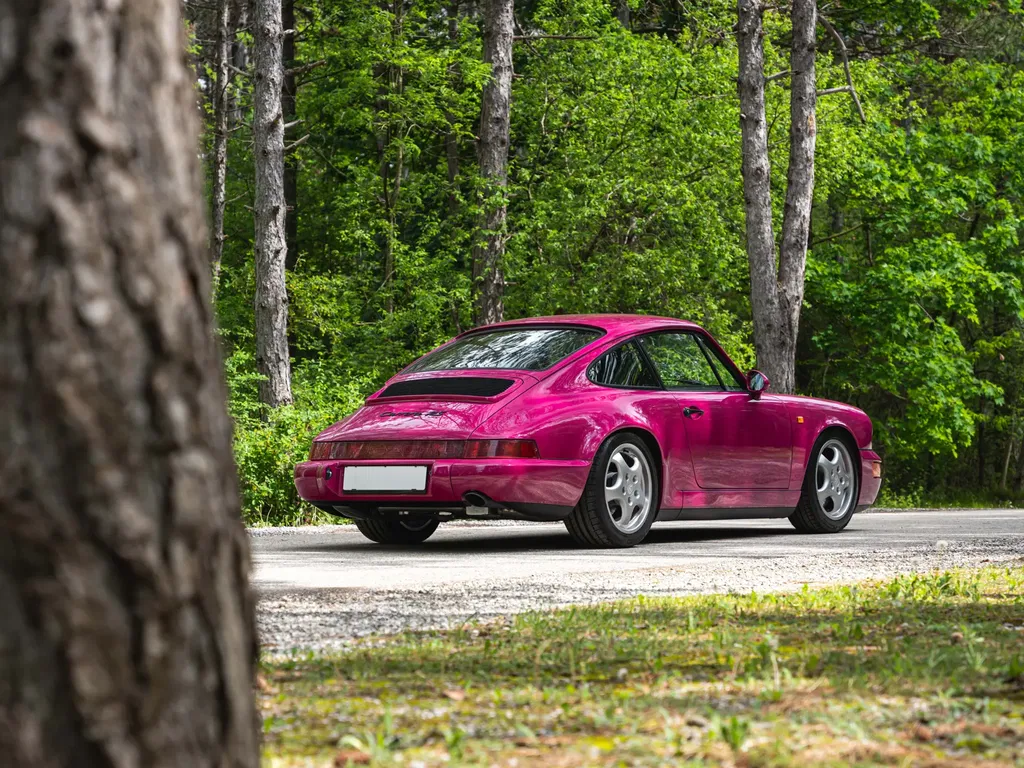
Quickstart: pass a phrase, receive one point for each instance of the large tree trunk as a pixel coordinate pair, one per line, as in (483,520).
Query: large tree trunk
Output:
(489,248)
(291,163)
(776,292)
(272,358)
(127,635)
(764,293)
(220,132)
(796,217)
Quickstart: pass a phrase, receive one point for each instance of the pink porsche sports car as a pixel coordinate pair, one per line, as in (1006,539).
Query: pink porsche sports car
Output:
(607,422)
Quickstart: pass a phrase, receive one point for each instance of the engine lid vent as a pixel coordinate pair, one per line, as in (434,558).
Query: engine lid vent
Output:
(466,386)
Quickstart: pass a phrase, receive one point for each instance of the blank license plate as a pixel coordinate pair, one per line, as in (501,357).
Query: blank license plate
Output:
(383,478)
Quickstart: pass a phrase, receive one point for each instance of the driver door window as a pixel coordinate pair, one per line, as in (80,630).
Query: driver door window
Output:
(735,442)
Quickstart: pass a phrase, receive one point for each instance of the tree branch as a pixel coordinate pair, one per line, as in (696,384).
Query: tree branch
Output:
(518,38)
(297,143)
(778,75)
(846,67)
(837,234)
(296,71)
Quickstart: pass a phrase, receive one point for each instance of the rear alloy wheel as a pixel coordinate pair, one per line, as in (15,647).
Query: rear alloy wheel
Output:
(620,501)
(830,491)
(392,531)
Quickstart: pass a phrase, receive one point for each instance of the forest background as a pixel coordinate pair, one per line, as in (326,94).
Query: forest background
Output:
(625,194)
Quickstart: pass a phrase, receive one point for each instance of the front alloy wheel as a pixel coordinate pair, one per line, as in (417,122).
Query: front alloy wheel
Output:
(620,501)
(830,489)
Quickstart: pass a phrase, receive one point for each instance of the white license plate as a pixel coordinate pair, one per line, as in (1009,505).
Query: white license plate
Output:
(384,478)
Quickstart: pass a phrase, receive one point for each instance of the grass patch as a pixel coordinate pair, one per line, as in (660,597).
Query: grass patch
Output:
(919,670)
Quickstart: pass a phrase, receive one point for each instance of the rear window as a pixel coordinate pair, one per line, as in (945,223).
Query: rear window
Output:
(522,349)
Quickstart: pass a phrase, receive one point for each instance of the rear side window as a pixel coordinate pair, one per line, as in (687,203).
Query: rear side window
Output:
(522,349)
(623,367)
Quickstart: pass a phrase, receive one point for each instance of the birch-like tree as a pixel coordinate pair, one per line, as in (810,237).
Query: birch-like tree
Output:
(777,277)
(272,355)
(489,247)
(221,107)
(126,620)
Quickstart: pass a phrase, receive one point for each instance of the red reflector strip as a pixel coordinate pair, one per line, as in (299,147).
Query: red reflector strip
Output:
(502,449)
(424,449)
(388,449)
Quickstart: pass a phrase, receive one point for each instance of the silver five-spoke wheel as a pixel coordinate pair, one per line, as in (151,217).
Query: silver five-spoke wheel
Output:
(834,482)
(628,488)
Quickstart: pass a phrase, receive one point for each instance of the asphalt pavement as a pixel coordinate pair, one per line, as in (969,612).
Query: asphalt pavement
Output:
(322,586)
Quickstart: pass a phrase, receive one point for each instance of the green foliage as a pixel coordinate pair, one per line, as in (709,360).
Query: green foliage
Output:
(268,445)
(625,195)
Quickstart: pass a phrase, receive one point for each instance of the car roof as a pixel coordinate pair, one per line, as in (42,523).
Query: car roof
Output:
(610,323)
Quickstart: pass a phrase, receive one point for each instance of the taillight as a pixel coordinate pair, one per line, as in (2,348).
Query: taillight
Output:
(502,449)
(320,451)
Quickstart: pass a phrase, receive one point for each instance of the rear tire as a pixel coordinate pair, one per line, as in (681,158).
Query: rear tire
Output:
(623,475)
(831,486)
(389,531)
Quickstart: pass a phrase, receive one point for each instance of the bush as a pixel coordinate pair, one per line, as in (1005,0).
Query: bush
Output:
(268,444)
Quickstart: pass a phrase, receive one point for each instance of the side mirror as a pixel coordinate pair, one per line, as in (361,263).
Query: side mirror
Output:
(757,383)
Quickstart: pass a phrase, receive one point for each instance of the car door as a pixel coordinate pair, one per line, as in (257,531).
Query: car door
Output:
(736,441)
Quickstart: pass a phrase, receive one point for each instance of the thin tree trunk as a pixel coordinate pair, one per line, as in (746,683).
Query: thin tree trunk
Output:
(796,217)
(272,358)
(1006,462)
(451,140)
(239,54)
(127,632)
(390,166)
(981,455)
(291,165)
(1020,472)
(776,293)
(489,248)
(220,134)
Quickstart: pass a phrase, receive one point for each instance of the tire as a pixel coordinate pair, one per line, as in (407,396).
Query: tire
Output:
(597,521)
(389,531)
(831,486)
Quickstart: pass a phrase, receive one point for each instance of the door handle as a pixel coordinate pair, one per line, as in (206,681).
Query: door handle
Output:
(692,411)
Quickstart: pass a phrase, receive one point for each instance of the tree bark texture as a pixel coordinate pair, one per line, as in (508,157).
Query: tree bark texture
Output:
(390,153)
(777,285)
(489,248)
(220,133)
(127,632)
(272,359)
(796,217)
(451,139)
(291,163)
(764,294)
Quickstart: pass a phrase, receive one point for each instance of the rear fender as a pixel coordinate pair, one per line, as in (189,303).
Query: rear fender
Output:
(570,418)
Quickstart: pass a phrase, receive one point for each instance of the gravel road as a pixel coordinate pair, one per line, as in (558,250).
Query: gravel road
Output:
(320,587)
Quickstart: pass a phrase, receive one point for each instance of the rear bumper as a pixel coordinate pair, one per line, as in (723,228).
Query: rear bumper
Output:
(532,489)
(869,484)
